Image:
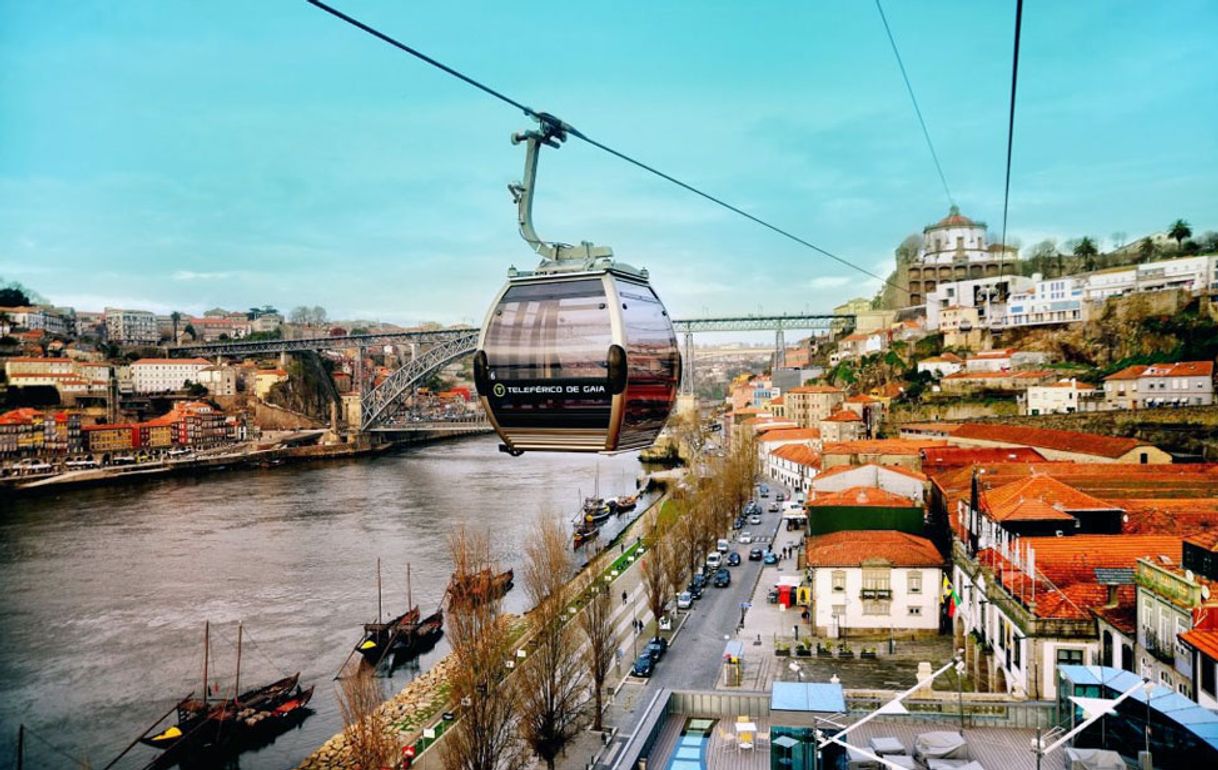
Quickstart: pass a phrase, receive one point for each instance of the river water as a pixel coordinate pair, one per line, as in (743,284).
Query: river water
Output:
(104,592)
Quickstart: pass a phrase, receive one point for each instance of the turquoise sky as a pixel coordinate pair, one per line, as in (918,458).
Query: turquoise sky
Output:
(192,153)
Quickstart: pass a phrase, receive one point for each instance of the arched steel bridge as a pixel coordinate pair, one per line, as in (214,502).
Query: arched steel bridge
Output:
(443,346)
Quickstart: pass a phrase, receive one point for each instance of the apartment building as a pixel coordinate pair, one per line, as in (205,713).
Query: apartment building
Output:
(1185,383)
(807,405)
(165,375)
(131,327)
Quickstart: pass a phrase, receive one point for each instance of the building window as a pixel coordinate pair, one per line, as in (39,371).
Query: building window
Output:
(1069,656)
(915,611)
(876,607)
(1207,675)
(915,582)
(839,580)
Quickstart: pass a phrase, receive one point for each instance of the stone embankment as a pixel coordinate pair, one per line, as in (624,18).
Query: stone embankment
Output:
(417,703)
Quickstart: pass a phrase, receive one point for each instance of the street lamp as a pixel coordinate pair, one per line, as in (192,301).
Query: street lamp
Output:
(796,669)
(1148,687)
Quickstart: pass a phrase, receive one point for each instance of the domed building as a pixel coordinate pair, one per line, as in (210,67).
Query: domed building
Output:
(955,248)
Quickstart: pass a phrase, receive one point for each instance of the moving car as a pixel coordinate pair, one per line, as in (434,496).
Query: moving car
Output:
(722,546)
(723,579)
(746,537)
(755,519)
(738,523)
(733,559)
(685,600)
(780,497)
(770,557)
(755,554)
(643,666)
(774,508)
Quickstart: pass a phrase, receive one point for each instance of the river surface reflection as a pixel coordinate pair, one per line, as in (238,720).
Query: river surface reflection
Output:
(103,592)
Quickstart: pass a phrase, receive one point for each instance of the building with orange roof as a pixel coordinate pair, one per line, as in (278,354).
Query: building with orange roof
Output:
(905,483)
(1184,383)
(265,379)
(1061,397)
(941,365)
(1008,380)
(807,405)
(885,581)
(1053,444)
(939,459)
(864,508)
(905,453)
(1201,647)
(843,425)
(794,464)
(33,433)
(778,406)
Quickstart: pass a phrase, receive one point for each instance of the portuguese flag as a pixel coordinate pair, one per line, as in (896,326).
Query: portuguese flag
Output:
(950,597)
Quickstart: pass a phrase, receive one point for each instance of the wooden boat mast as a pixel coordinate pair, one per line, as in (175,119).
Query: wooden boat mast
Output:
(409,595)
(378,590)
(206,653)
(237,684)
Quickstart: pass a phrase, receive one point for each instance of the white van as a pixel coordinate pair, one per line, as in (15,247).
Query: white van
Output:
(713,559)
(723,546)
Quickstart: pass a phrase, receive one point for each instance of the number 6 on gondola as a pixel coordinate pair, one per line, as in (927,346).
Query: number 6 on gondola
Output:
(578,355)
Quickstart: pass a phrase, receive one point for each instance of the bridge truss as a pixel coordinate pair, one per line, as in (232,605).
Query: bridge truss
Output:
(443,346)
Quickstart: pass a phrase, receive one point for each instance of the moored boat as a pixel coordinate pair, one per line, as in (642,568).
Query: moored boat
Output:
(479,586)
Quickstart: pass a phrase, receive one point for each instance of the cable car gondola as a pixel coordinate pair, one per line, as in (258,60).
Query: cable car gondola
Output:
(578,355)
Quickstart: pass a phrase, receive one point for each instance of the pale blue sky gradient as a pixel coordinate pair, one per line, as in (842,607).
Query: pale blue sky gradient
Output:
(185,154)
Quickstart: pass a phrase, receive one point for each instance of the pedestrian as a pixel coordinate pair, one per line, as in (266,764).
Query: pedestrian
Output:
(623,597)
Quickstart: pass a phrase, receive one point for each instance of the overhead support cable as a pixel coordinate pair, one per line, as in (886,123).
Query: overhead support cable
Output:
(917,110)
(1006,193)
(549,120)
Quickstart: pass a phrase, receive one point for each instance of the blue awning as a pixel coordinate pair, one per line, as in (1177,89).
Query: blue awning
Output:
(820,697)
(1200,721)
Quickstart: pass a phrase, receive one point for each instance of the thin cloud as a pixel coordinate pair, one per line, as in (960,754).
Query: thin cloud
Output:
(830,281)
(191,275)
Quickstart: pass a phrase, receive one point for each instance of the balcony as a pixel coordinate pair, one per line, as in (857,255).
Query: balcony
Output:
(1163,649)
(876,593)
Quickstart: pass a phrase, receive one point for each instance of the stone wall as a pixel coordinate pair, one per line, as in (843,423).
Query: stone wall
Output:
(1192,429)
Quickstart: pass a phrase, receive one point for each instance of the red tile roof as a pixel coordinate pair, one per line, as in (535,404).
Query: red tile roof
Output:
(1178,369)
(789,434)
(1205,642)
(1022,374)
(851,548)
(777,401)
(883,446)
(937,428)
(1124,616)
(843,415)
(870,497)
(862,398)
(1207,540)
(1038,498)
(798,453)
(1188,516)
(1044,438)
(941,458)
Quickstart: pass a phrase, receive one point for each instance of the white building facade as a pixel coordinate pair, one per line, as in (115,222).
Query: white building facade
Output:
(131,327)
(164,375)
(1054,301)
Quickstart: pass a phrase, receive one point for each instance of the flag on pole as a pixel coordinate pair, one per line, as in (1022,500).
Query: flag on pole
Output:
(951,597)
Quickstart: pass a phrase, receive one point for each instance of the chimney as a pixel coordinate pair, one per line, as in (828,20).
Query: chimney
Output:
(1112,596)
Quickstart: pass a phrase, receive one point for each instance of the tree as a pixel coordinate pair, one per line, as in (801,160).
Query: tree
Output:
(1043,250)
(1208,241)
(550,681)
(485,737)
(319,315)
(596,622)
(1086,249)
(370,737)
(1118,239)
(13,294)
(190,329)
(300,315)
(655,580)
(1179,231)
(176,318)
(1147,249)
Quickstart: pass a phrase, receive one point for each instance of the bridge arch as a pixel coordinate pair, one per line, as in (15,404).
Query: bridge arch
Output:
(377,402)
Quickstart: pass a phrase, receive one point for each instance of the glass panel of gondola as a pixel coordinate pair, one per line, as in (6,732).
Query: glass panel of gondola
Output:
(546,349)
(653,362)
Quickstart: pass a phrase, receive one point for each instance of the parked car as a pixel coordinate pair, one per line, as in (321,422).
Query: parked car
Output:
(755,554)
(765,493)
(656,648)
(659,643)
(771,596)
(755,519)
(694,590)
(685,600)
(745,537)
(698,581)
(774,508)
(738,523)
(723,579)
(780,497)
(713,559)
(770,557)
(643,666)
(733,559)
(722,546)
